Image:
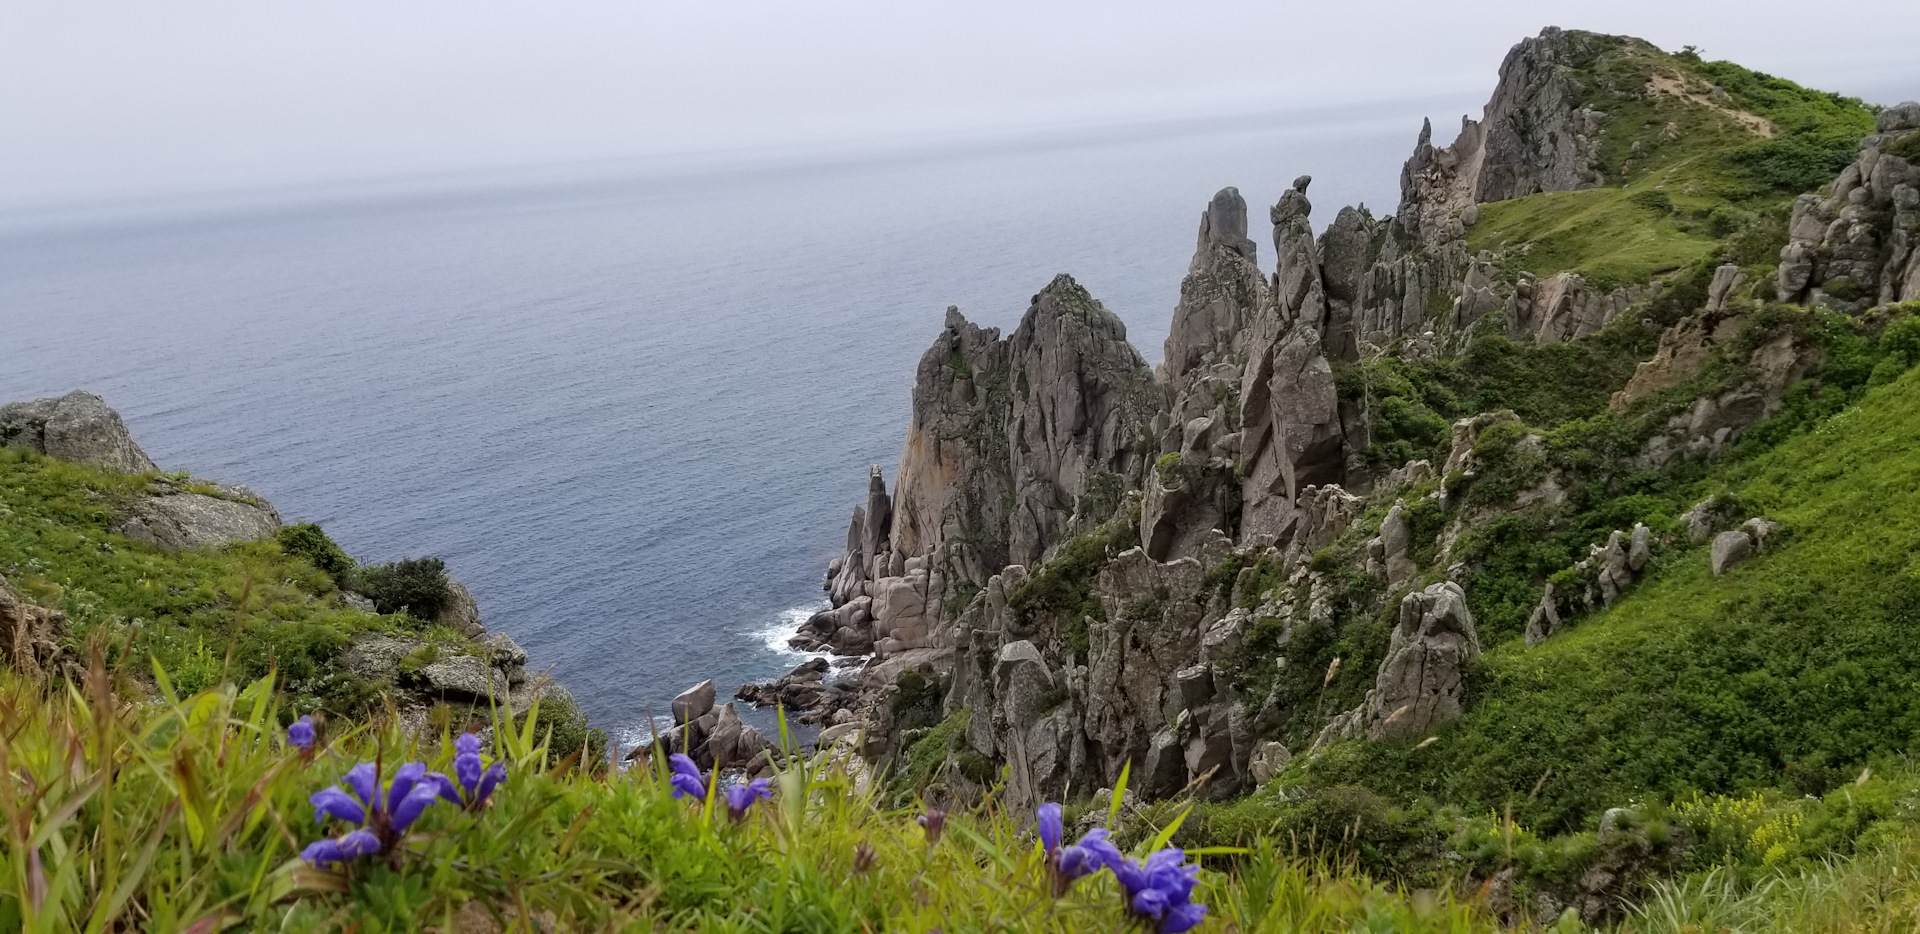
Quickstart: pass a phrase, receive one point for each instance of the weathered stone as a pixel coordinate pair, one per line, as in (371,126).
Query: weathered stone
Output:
(1640,549)
(78,426)
(694,702)
(1268,760)
(1730,549)
(1420,684)
(465,677)
(1166,765)
(461,612)
(178,520)
(1395,538)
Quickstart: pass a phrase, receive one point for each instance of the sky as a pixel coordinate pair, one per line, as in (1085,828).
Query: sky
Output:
(102,101)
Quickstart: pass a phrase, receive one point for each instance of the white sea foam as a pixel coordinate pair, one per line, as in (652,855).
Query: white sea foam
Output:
(783,626)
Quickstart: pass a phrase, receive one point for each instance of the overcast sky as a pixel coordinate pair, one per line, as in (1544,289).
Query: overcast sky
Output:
(109,100)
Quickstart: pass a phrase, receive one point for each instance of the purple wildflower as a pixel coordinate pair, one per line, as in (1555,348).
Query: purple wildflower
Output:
(1071,862)
(1161,889)
(1050,827)
(381,819)
(300,734)
(476,779)
(687,780)
(741,797)
(934,822)
(332,802)
(324,853)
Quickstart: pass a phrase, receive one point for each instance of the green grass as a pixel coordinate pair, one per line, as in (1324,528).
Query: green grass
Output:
(199,820)
(1669,202)
(237,612)
(1792,671)
(197,824)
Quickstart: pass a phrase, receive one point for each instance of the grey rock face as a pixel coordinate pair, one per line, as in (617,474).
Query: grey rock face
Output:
(1856,246)
(801,689)
(178,519)
(1292,435)
(1395,537)
(461,612)
(1206,345)
(1268,759)
(1562,308)
(1730,549)
(694,702)
(1008,436)
(78,426)
(1420,685)
(1609,571)
(466,677)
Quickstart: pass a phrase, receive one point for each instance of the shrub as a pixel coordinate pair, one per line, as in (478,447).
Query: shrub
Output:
(307,540)
(417,587)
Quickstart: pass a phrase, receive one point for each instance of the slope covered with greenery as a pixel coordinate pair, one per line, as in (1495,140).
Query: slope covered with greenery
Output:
(1692,151)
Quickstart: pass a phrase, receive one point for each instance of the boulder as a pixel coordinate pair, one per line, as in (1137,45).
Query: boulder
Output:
(506,655)
(461,613)
(1420,684)
(465,677)
(376,657)
(694,702)
(1396,534)
(78,426)
(1730,549)
(1269,758)
(180,518)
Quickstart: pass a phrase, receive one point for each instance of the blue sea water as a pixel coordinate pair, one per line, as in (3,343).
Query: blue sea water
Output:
(631,406)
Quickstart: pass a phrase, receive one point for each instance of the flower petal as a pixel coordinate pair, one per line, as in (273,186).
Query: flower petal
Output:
(409,808)
(1050,826)
(1075,861)
(1180,918)
(448,790)
(365,782)
(323,853)
(404,778)
(359,843)
(467,744)
(682,764)
(301,733)
(1101,850)
(1150,902)
(686,786)
(495,774)
(332,802)
(467,768)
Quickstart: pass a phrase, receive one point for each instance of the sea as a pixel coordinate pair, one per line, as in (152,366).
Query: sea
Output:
(630,403)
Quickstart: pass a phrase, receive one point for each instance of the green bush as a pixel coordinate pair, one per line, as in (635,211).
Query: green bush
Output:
(417,587)
(307,540)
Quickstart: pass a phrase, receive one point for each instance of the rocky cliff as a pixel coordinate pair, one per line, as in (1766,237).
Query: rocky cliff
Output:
(1278,540)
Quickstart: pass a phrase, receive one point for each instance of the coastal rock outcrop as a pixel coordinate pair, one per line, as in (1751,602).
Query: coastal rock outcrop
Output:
(180,516)
(78,426)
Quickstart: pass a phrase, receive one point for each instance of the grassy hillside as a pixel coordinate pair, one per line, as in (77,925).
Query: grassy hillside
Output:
(1691,151)
(207,617)
(1794,671)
